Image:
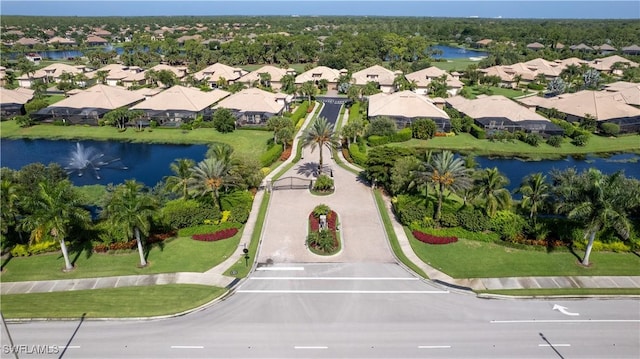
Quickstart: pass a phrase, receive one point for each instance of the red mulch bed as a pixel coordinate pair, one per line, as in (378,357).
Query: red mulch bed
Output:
(219,235)
(431,239)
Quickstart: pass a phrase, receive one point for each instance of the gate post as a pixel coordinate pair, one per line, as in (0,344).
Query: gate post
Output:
(269,185)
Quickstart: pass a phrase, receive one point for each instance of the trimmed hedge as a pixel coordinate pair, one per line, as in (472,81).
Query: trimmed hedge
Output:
(359,157)
(401,136)
(271,155)
(477,132)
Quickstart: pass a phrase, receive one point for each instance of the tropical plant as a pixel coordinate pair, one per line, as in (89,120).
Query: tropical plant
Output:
(179,181)
(535,192)
(52,212)
(209,176)
(130,210)
(308,89)
(489,188)
(321,134)
(224,121)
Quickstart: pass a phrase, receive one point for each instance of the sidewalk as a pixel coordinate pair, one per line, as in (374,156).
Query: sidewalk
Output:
(215,277)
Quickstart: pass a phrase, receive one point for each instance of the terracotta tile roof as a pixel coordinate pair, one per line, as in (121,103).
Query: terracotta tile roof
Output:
(275,72)
(100,96)
(493,106)
(181,98)
(218,70)
(406,104)
(17,96)
(254,100)
(375,73)
(318,73)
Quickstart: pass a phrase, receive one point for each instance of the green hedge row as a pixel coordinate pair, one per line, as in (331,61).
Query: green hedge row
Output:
(271,155)
(300,112)
(359,157)
(477,132)
(401,136)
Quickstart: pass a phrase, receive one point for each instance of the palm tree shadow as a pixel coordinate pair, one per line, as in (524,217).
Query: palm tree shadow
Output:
(308,169)
(150,246)
(572,251)
(6,261)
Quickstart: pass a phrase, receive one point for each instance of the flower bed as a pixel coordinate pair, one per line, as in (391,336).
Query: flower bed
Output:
(219,235)
(318,241)
(285,154)
(132,244)
(431,239)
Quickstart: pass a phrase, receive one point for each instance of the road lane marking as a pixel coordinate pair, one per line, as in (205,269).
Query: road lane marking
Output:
(566,321)
(187,347)
(434,346)
(267,291)
(310,347)
(331,278)
(69,346)
(279,268)
(554,345)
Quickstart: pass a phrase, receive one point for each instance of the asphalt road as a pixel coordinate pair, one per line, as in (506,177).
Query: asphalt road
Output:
(362,310)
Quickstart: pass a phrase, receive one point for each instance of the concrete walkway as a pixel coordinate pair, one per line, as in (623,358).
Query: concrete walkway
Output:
(271,233)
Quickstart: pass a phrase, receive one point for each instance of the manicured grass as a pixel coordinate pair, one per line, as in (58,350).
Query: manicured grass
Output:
(123,302)
(464,142)
(249,142)
(563,291)
(509,93)
(54,98)
(474,259)
(242,266)
(393,239)
(455,64)
(92,194)
(179,255)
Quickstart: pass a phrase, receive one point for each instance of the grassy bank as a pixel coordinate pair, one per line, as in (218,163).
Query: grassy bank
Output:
(563,292)
(249,142)
(468,144)
(474,259)
(179,255)
(110,303)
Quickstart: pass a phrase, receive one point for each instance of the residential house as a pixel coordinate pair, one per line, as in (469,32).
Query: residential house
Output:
(602,106)
(275,75)
(422,79)
(384,77)
(549,69)
(622,91)
(631,50)
(219,73)
(33,57)
(535,46)
(405,107)
(498,113)
(482,43)
(3,76)
(57,40)
(28,41)
(581,47)
(605,49)
(179,104)
(321,73)
(51,74)
(90,105)
(12,101)
(254,106)
(606,64)
(93,40)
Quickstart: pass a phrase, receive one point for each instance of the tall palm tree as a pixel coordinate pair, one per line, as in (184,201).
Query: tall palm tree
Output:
(211,175)
(446,173)
(489,187)
(321,134)
(9,210)
(535,191)
(131,210)
(308,89)
(53,211)
(220,151)
(179,181)
(599,203)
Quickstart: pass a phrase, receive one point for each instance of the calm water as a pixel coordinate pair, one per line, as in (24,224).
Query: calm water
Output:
(146,163)
(149,163)
(449,52)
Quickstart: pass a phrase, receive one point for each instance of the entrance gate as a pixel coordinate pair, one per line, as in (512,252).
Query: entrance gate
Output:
(290,183)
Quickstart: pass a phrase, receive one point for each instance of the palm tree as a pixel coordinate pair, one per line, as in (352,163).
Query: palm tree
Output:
(489,187)
(220,151)
(535,190)
(9,211)
(308,89)
(179,181)
(446,173)
(209,176)
(321,134)
(599,202)
(53,212)
(131,210)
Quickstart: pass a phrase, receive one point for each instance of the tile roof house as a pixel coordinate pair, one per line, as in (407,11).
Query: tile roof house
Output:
(535,46)
(382,76)
(498,113)
(179,104)
(50,74)
(423,78)
(321,73)
(93,40)
(28,41)
(218,71)
(631,50)
(405,107)
(605,49)
(254,106)
(88,106)
(61,41)
(483,43)
(580,47)
(629,94)
(12,101)
(541,66)
(604,108)
(605,64)
(275,73)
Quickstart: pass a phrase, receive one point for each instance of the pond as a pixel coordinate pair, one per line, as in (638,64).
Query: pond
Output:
(449,52)
(149,163)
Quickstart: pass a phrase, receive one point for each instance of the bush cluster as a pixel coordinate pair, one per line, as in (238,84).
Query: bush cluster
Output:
(24,250)
(473,220)
(271,155)
(323,183)
(183,213)
(477,132)
(358,156)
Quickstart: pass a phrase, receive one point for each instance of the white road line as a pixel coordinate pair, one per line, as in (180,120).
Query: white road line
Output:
(331,278)
(434,346)
(566,321)
(344,291)
(554,345)
(187,347)
(310,347)
(279,268)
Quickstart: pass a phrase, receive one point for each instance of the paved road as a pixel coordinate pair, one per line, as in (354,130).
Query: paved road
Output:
(355,310)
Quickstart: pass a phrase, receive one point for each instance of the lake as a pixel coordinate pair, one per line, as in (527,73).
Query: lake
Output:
(449,52)
(149,163)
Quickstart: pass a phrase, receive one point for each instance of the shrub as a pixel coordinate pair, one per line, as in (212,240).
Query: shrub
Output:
(554,141)
(219,235)
(359,157)
(224,121)
(271,155)
(423,128)
(206,228)
(321,209)
(323,183)
(35,105)
(509,225)
(401,136)
(456,125)
(580,140)
(610,129)
(431,239)
(473,220)
(376,140)
(285,154)
(410,210)
(20,250)
(567,127)
(477,132)
(381,126)
(449,220)
(300,112)
(183,213)
(533,139)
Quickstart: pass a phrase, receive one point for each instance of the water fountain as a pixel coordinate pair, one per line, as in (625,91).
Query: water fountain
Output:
(88,159)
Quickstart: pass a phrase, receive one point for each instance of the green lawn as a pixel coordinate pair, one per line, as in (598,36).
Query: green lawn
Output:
(455,64)
(179,255)
(249,142)
(474,259)
(110,303)
(509,93)
(466,143)
(564,291)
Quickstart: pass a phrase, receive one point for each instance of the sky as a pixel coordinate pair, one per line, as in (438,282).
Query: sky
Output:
(550,9)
